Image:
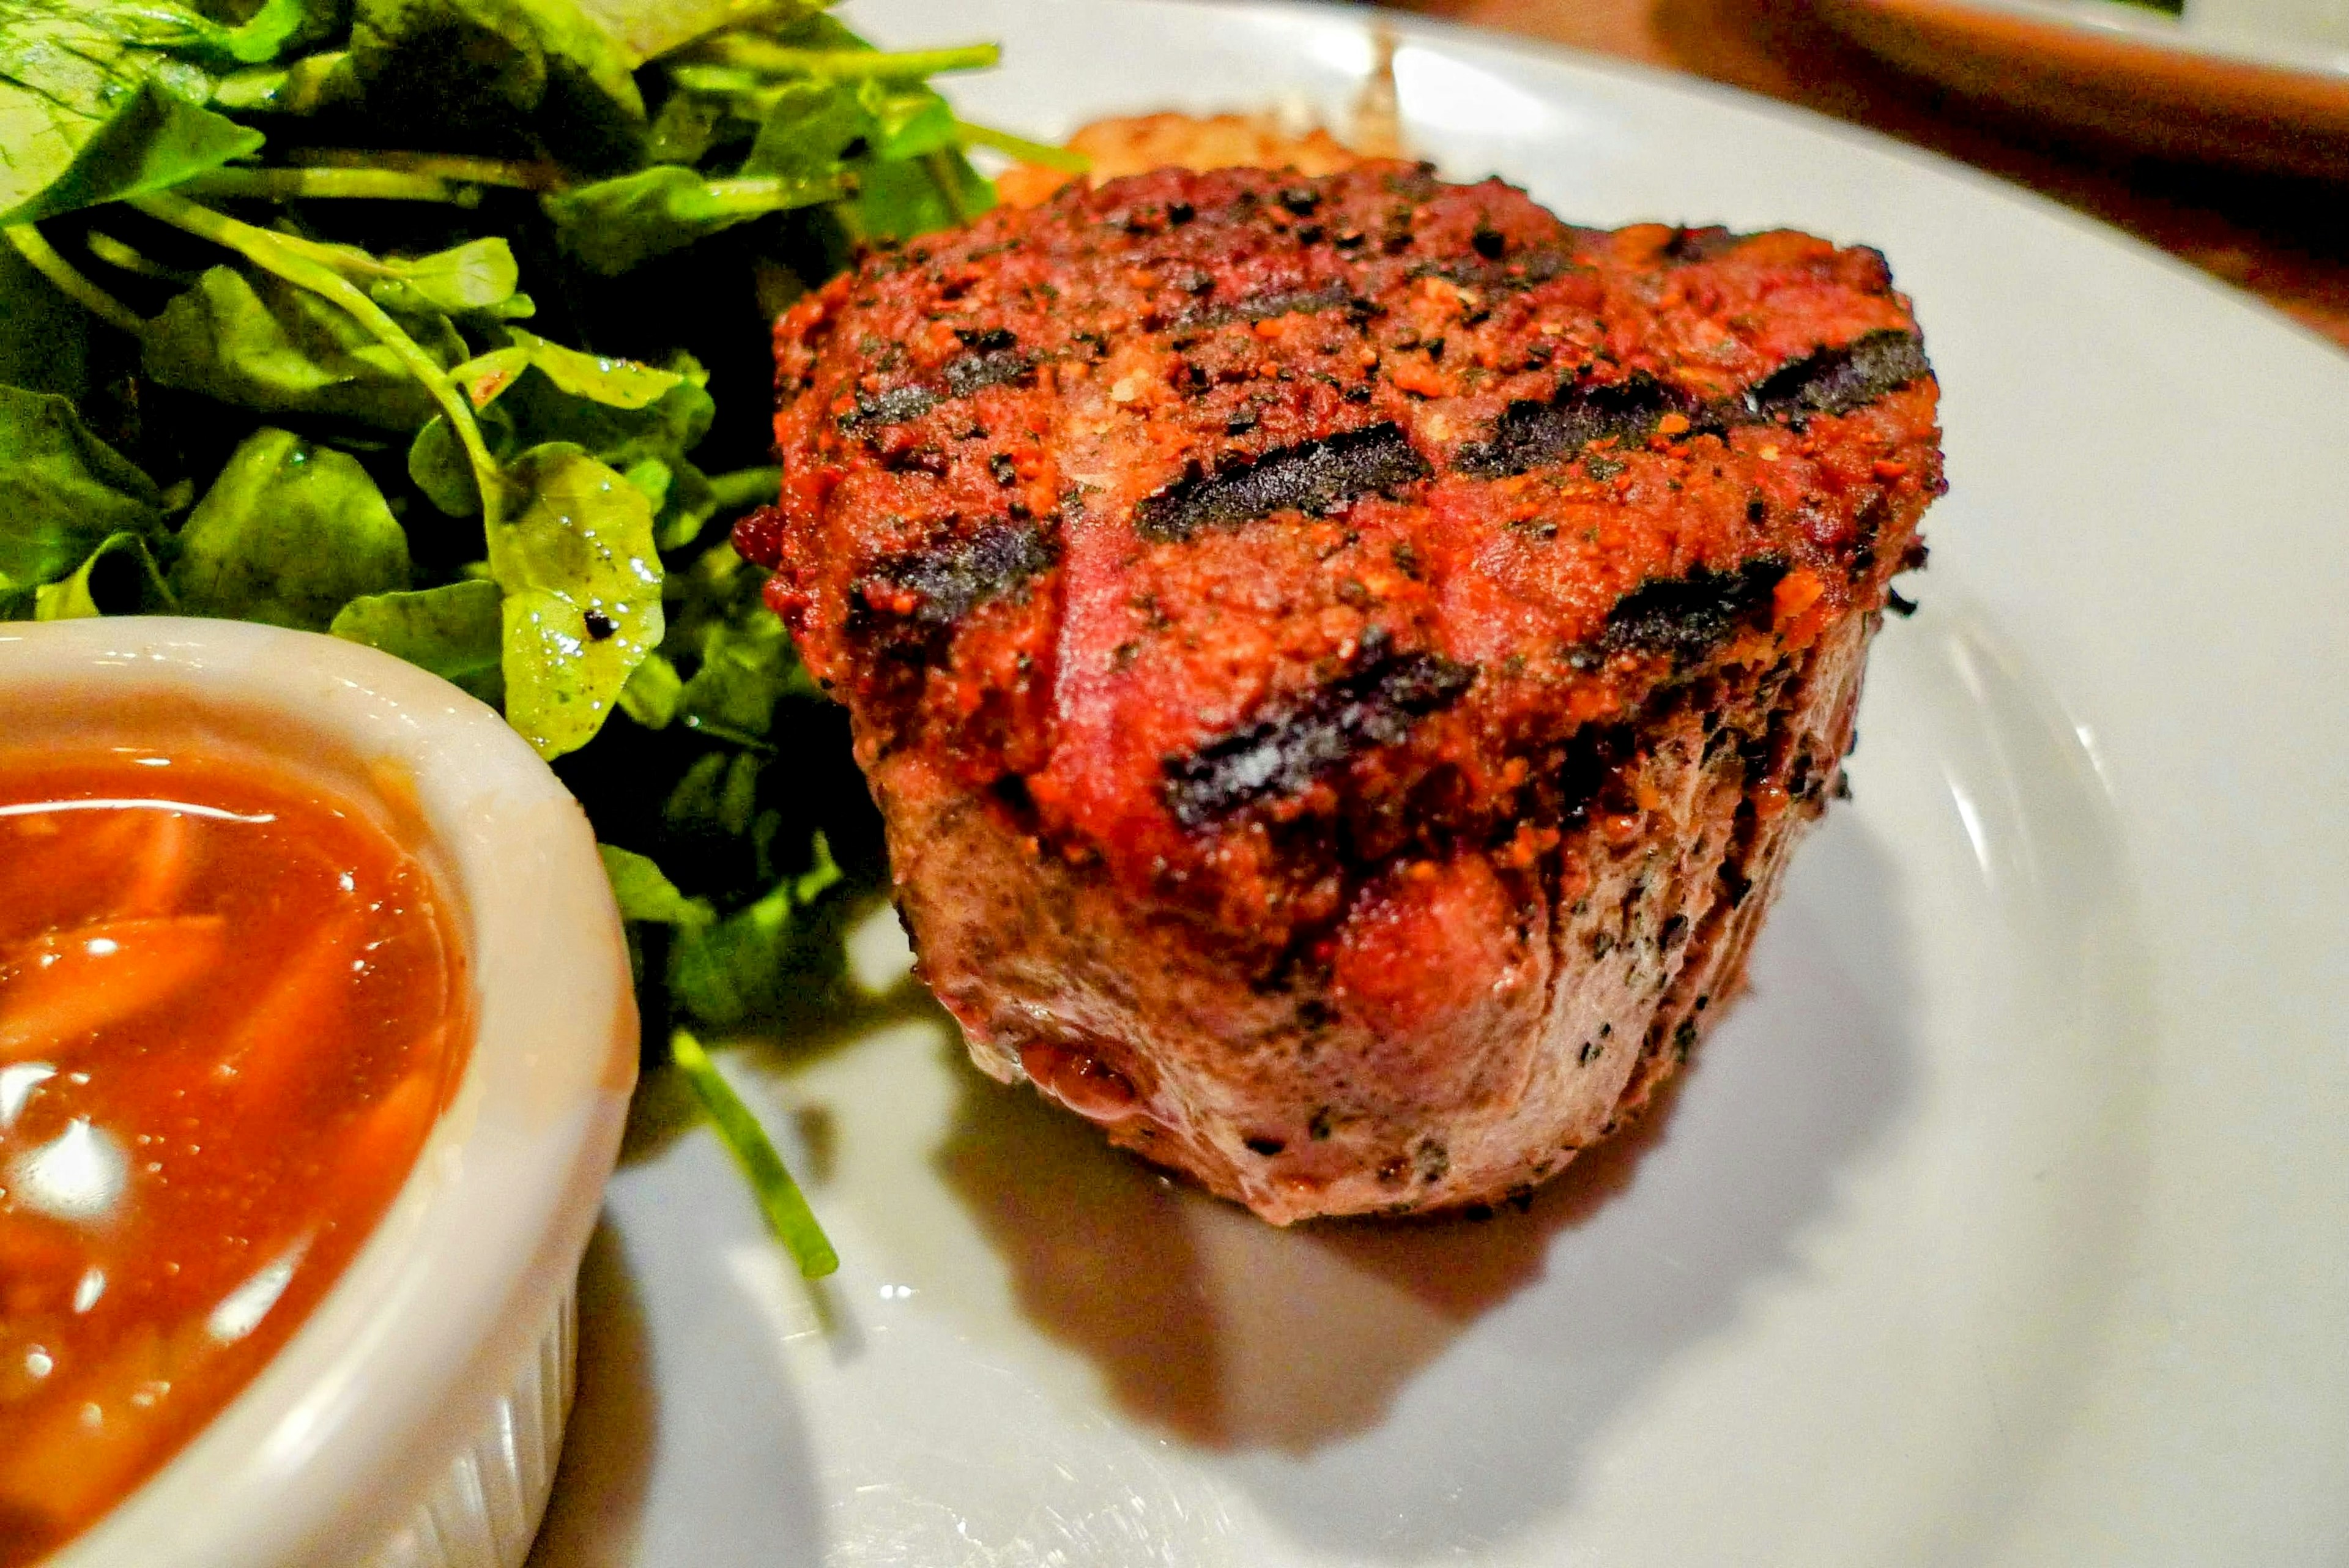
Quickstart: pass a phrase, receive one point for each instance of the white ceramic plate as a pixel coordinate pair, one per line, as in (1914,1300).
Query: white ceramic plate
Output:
(2005,1221)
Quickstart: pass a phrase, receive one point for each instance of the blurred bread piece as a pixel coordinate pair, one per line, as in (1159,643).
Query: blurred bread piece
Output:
(1135,144)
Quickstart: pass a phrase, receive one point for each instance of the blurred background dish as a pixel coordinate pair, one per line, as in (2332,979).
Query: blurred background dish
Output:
(2261,82)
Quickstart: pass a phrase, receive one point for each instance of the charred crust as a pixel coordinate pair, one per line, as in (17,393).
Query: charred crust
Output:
(986,340)
(1690,246)
(1838,381)
(1530,434)
(1311,477)
(977,372)
(1528,269)
(1280,753)
(1265,307)
(1689,615)
(894,406)
(997,363)
(936,590)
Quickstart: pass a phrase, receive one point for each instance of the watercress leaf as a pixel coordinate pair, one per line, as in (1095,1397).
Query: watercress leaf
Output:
(901,199)
(118,578)
(808,125)
(685,508)
(725,973)
(302,85)
(478,276)
(650,696)
(611,225)
(741,658)
(254,340)
(600,378)
(66,65)
(907,123)
(583,602)
(44,336)
(276,26)
(452,630)
(118,34)
(693,800)
(759,960)
(288,533)
(821,877)
(748,666)
(152,140)
(652,476)
(666,428)
(438,467)
(816,30)
(649,32)
(690,125)
(644,891)
(62,491)
(480,69)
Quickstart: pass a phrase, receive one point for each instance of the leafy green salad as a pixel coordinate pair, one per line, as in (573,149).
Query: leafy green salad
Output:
(442,325)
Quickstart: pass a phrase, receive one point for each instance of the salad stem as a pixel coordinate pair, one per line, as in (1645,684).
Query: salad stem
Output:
(779,1197)
(1041,153)
(328,183)
(745,487)
(436,165)
(29,242)
(115,253)
(756,54)
(294,261)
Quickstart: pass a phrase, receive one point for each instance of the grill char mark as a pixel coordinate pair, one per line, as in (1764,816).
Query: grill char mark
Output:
(1838,381)
(1835,380)
(960,378)
(1376,706)
(947,583)
(1530,434)
(1526,269)
(1687,615)
(1265,307)
(1310,477)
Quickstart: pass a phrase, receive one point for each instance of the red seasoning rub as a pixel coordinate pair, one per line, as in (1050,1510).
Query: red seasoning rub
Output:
(1343,658)
(230,1010)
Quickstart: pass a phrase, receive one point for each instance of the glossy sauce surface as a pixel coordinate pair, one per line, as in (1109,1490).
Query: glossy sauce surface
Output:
(230,1011)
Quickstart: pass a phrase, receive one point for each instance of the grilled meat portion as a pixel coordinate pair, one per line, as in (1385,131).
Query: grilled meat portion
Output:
(1342,660)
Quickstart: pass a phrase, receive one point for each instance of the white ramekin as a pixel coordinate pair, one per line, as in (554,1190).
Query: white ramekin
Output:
(414,1419)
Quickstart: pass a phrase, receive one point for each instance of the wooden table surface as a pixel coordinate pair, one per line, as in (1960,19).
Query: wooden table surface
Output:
(2284,239)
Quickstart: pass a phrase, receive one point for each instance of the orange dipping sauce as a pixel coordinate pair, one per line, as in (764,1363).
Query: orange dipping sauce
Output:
(231,1007)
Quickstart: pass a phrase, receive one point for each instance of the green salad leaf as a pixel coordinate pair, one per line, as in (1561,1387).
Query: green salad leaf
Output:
(496,68)
(752,961)
(44,336)
(616,225)
(645,892)
(583,605)
(252,339)
(120,577)
(63,491)
(288,533)
(454,630)
(152,140)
